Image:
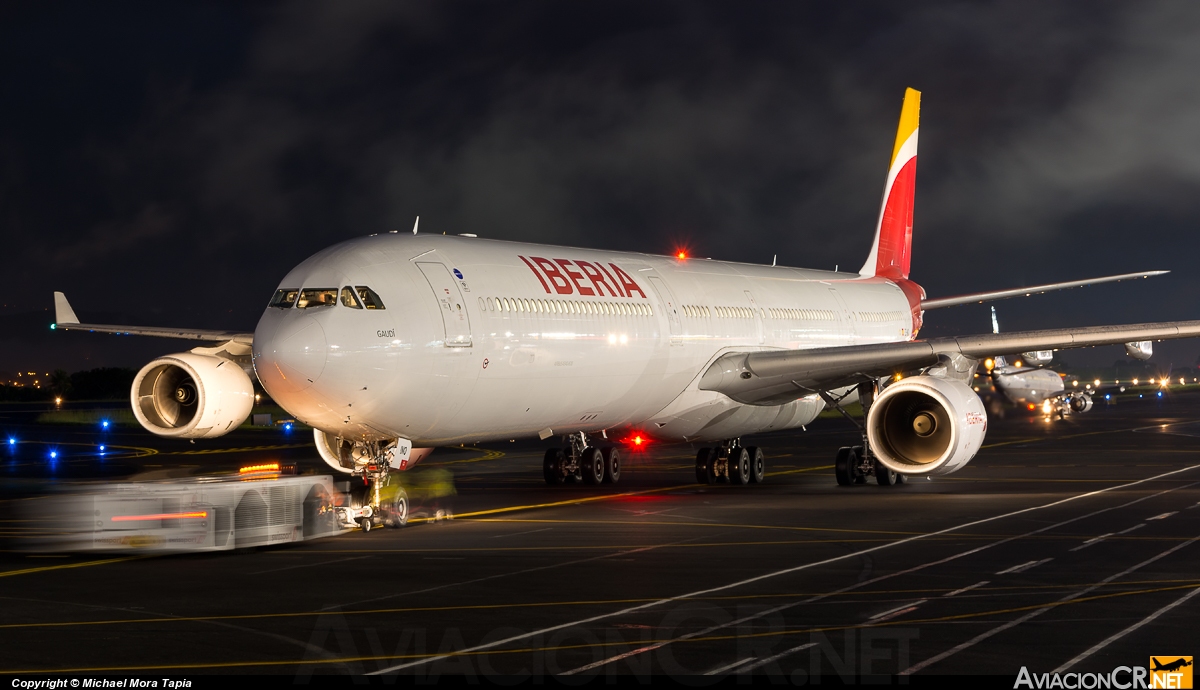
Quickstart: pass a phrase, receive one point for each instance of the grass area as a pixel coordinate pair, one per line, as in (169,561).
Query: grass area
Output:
(854,408)
(119,417)
(124,417)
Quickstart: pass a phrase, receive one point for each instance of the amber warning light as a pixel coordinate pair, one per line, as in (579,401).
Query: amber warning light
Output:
(255,469)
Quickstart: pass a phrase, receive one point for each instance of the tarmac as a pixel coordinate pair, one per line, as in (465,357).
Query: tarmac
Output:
(1066,545)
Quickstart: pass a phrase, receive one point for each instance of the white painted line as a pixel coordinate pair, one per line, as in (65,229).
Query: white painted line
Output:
(1164,516)
(776,657)
(1033,614)
(966,589)
(897,614)
(722,669)
(1093,540)
(899,609)
(1016,568)
(1137,526)
(788,571)
(1128,630)
(1024,566)
(907,571)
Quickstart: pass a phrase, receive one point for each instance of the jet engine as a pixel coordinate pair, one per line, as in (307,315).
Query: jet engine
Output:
(190,395)
(1080,402)
(926,425)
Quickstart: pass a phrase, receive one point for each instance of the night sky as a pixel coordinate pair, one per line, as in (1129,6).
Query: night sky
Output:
(167,163)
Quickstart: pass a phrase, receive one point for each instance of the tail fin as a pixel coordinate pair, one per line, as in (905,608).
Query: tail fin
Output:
(890,254)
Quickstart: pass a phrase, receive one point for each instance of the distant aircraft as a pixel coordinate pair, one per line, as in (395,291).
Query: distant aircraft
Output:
(1029,383)
(392,344)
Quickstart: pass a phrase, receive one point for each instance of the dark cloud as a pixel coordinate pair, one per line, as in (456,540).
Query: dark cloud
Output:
(190,155)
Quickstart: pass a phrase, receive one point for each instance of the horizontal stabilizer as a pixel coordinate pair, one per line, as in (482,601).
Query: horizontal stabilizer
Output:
(1031,290)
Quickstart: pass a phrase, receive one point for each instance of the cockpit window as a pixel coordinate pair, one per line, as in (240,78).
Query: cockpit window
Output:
(369,298)
(284,298)
(317,297)
(349,299)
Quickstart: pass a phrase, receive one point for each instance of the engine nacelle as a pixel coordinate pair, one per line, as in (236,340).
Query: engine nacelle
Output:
(926,425)
(336,453)
(1080,402)
(189,395)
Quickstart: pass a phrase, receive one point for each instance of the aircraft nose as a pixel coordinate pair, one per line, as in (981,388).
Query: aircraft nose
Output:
(295,354)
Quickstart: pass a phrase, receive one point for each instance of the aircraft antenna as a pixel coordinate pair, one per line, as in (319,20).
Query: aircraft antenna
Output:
(773,259)
(416,224)
(995,323)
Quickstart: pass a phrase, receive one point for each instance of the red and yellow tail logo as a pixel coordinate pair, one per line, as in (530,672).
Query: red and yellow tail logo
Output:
(890,255)
(1170,672)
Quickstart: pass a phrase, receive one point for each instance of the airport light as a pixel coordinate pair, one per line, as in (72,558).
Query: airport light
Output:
(103,423)
(1097,383)
(53,454)
(12,441)
(288,427)
(1135,382)
(101,449)
(1075,383)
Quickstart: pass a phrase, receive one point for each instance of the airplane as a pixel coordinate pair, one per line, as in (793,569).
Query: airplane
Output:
(396,343)
(1028,383)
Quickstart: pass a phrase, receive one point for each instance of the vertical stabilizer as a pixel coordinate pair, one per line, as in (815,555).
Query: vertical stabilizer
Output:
(891,252)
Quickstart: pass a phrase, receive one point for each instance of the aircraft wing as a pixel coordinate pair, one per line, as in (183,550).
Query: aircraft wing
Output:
(1031,290)
(775,377)
(65,319)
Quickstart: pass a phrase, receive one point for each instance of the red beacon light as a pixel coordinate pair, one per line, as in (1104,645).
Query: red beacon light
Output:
(681,255)
(636,441)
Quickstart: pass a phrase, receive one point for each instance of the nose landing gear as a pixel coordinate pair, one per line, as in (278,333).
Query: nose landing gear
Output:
(380,499)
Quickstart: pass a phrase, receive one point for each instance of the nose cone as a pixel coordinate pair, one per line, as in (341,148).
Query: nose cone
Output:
(293,357)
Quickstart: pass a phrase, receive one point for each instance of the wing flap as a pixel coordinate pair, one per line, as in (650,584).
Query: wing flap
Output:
(778,376)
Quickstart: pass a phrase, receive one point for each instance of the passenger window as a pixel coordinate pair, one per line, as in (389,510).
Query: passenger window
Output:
(284,298)
(349,299)
(317,297)
(369,298)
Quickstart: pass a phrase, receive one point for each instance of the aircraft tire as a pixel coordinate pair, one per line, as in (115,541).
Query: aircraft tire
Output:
(703,475)
(552,467)
(396,514)
(841,467)
(855,470)
(366,523)
(612,464)
(758,465)
(884,476)
(739,465)
(591,464)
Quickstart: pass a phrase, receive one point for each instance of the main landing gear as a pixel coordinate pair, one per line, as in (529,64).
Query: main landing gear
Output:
(855,464)
(730,462)
(581,461)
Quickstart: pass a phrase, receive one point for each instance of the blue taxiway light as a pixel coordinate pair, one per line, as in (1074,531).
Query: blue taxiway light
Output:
(104,423)
(1160,394)
(53,326)
(53,454)
(101,449)
(287,427)
(12,441)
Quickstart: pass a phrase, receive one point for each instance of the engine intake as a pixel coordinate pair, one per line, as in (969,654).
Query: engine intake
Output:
(926,425)
(189,395)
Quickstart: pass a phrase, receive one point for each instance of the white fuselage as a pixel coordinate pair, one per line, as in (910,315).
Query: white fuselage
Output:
(485,340)
(1027,386)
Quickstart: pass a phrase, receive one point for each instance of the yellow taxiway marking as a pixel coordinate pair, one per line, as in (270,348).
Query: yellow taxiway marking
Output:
(593,499)
(487,455)
(246,449)
(612,643)
(65,566)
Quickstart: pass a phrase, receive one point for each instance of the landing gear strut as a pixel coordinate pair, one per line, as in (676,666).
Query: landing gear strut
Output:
(381,500)
(730,462)
(579,460)
(854,464)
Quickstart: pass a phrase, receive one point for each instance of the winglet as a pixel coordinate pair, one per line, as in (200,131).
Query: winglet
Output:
(892,250)
(63,313)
